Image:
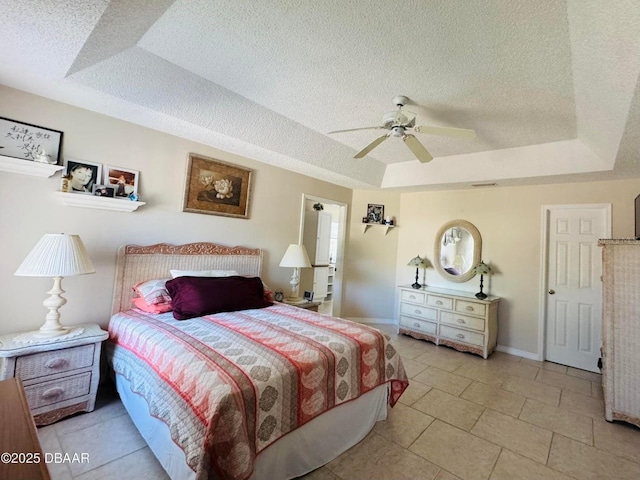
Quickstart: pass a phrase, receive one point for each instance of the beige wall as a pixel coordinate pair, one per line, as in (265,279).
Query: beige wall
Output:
(29,208)
(510,222)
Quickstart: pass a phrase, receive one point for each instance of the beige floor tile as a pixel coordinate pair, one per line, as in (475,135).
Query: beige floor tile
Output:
(518,436)
(495,398)
(588,463)
(565,382)
(105,410)
(591,376)
(449,408)
(591,406)
(442,380)
(442,358)
(408,350)
(511,466)
(619,438)
(596,390)
(533,363)
(379,458)
(562,421)
(104,442)
(532,389)
(50,444)
(403,425)
(482,372)
(415,391)
(322,473)
(444,475)
(554,367)
(458,452)
(521,370)
(141,465)
(412,367)
(498,356)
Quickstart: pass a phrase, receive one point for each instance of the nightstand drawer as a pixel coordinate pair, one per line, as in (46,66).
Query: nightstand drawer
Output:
(440,302)
(418,311)
(462,320)
(55,391)
(419,325)
(471,308)
(410,296)
(462,335)
(48,363)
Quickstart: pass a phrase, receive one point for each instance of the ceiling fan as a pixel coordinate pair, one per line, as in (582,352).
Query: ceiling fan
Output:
(402,123)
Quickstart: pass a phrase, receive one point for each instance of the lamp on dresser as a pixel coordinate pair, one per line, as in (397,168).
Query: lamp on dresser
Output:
(482,269)
(57,256)
(418,262)
(297,258)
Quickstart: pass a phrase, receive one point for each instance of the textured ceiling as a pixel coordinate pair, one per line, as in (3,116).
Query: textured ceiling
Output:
(551,87)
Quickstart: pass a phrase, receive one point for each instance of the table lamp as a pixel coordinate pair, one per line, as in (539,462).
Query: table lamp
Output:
(482,269)
(296,257)
(57,256)
(418,262)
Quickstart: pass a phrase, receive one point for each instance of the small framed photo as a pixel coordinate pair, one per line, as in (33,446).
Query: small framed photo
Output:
(104,191)
(124,181)
(308,296)
(375,213)
(80,176)
(29,142)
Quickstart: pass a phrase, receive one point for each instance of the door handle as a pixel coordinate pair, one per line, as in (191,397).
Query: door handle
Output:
(552,292)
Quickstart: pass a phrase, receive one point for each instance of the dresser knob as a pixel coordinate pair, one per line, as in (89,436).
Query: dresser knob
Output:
(438,302)
(460,335)
(460,320)
(56,363)
(418,312)
(416,324)
(412,297)
(52,393)
(470,308)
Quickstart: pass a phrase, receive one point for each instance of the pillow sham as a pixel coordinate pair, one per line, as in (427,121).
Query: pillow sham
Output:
(196,296)
(153,291)
(202,273)
(139,302)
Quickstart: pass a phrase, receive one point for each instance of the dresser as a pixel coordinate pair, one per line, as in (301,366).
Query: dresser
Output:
(449,317)
(60,377)
(621,329)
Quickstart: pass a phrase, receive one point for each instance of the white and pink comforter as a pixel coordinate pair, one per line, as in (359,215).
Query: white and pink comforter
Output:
(229,385)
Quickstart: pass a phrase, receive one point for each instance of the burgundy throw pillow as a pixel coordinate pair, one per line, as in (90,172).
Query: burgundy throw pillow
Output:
(196,296)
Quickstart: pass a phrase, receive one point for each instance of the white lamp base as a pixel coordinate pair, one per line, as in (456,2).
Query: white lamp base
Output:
(295,282)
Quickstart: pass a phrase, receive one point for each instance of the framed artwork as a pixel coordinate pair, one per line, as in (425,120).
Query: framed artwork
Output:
(124,181)
(29,142)
(375,213)
(104,191)
(80,176)
(215,187)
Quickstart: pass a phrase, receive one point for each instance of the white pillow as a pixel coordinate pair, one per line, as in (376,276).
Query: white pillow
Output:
(203,273)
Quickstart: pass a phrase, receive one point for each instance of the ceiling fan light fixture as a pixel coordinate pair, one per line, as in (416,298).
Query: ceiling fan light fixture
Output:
(397,131)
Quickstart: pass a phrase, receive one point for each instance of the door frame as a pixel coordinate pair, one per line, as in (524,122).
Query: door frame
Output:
(342,235)
(544,267)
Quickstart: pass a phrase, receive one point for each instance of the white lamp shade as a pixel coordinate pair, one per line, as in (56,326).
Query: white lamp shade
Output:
(296,257)
(482,269)
(57,255)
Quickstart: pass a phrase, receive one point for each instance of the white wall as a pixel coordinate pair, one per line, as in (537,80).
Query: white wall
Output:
(29,208)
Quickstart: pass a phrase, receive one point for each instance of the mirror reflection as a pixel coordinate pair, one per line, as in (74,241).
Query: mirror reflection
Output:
(458,248)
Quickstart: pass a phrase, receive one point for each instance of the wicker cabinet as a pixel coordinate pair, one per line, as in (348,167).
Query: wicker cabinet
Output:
(621,329)
(449,317)
(60,377)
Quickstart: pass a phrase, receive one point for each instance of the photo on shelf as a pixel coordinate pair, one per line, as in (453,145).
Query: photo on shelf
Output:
(104,191)
(124,181)
(80,176)
(375,213)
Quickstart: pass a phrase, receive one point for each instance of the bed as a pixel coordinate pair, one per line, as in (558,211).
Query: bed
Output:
(260,393)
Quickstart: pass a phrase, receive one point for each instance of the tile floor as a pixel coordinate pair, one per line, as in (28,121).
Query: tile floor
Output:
(505,418)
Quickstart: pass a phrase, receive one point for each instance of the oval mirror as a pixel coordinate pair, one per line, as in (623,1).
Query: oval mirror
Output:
(458,248)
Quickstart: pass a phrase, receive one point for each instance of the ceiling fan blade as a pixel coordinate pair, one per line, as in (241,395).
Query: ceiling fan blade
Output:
(446,131)
(365,151)
(356,129)
(417,148)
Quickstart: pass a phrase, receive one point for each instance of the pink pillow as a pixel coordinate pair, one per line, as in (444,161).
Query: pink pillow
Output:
(197,296)
(155,308)
(153,291)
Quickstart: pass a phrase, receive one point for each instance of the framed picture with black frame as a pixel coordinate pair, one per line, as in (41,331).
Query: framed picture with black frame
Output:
(29,142)
(375,213)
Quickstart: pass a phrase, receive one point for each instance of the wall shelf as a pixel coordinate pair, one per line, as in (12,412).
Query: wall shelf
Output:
(365,227)
(27,167)
(92,201)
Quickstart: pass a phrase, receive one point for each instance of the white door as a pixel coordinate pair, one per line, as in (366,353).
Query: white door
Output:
(323,240)
(574,288)
(320,283)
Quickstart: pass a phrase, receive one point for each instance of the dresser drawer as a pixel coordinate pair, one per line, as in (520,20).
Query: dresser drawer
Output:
(461,335)
(462,320)
(411,296)
(418,311)
(440,302)
(471,308)
(418,325)
(48,363)
(55,391)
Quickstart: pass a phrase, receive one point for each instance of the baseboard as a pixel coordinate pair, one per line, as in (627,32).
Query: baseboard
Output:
(369,320)
(519,353)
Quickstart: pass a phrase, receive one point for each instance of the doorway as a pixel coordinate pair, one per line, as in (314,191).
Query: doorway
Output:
(571,295)
(332,299)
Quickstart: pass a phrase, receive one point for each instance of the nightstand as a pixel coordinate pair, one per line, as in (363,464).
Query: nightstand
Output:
(61,377)
(313,306)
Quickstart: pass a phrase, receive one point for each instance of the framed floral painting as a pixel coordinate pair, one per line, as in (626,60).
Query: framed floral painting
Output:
(215,187)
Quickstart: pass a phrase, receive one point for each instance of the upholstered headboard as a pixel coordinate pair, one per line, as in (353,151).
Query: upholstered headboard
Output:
(137,263)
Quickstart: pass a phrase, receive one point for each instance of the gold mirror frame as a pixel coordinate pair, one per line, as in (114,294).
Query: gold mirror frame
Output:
(477,250)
